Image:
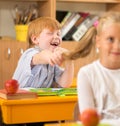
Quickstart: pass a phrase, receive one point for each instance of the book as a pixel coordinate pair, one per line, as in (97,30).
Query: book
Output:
(54,91)
(82,29)
(69,25)
(63,26)
(20,94)
(68,36)
(60,15)
(66,18)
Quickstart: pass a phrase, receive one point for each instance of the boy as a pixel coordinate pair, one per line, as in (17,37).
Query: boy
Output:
(40,66)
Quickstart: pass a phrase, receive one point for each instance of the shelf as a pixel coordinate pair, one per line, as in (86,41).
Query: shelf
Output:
(24,0)
(91,1)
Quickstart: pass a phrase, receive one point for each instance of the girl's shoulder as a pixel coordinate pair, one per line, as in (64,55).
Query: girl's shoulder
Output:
(91,65)
(90,68)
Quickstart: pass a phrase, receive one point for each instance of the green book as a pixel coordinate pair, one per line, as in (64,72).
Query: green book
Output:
(54,91)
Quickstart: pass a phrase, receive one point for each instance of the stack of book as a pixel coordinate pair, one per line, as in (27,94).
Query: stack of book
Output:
(20,94)
(28,93)
(75,24)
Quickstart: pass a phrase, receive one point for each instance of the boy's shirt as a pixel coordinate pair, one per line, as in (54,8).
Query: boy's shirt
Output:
(42,75)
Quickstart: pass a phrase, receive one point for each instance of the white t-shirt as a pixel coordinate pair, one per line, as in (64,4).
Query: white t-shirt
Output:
(99,87)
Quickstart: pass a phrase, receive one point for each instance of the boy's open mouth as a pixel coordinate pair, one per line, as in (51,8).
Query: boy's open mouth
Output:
(54,44)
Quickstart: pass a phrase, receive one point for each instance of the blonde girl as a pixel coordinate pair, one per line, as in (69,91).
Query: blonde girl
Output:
(99,82)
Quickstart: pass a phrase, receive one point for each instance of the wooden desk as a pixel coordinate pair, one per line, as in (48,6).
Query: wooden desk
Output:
(50,108)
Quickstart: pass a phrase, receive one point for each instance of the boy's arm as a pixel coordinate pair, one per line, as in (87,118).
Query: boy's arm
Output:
(68,74)
(43,57)
(48,57)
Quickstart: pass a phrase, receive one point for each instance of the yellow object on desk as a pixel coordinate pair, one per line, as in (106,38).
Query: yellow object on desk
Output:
(42,109)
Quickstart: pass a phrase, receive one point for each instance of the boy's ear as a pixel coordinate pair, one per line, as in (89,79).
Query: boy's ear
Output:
(34,39)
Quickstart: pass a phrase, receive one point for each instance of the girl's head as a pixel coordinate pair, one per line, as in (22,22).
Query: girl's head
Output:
(37,26)
(106,20)
(95,34)
(108,40)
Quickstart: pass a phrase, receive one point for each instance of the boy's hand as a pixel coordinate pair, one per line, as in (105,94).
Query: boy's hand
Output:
(57,55)
(48,57)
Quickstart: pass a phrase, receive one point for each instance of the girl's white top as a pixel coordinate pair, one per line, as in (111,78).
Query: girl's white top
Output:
(99,87)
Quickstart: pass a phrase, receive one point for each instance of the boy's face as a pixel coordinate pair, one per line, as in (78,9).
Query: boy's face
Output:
(49,39)
(108,43)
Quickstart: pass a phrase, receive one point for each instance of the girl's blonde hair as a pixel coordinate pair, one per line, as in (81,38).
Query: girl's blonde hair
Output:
(85,45)
(36,26)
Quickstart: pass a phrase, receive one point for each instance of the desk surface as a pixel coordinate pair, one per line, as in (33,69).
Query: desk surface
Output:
(49,108)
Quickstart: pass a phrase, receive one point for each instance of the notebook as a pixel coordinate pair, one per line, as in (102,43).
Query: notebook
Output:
(54,91)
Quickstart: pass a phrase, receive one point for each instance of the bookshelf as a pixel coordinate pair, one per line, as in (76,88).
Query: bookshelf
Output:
(96,7)
(91,1)
(92,6)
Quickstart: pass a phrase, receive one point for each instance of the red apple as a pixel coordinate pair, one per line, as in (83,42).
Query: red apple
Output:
(11,86)
(90,117)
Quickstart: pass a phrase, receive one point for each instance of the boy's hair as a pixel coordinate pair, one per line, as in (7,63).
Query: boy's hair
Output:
(85,45)
(37,26)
